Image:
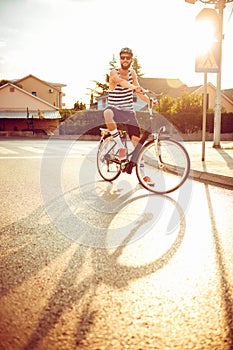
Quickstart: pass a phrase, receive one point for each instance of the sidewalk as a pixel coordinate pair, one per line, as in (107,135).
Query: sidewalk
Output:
(217,167)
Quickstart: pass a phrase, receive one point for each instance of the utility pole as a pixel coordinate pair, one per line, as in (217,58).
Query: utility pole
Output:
(220,5)
(204,117)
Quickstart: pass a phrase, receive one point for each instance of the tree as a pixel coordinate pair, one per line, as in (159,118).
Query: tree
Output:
(3,82)
(187,102)
(137,67)
(165,104)
(92,99)
(112,65)
(79,106)
(100,88)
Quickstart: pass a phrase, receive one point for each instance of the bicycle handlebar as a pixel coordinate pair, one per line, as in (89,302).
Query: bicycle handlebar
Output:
(154,99)
(153,93)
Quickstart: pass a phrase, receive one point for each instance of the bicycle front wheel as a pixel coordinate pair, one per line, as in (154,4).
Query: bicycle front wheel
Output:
(108,169)
(163,168)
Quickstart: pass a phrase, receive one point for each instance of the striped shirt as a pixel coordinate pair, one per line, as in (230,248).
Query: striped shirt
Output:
(121,98)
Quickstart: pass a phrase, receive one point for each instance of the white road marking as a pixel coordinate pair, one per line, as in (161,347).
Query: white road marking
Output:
(32,149)
(68,156)
(4,150)
(49,151)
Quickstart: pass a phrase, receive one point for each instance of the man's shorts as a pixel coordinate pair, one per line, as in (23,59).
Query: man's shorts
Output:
(128,118)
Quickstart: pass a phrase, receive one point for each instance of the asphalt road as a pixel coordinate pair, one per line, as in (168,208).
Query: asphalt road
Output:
(90,265)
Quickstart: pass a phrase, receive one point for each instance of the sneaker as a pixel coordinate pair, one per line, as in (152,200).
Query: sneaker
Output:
(147,179)
(122,154)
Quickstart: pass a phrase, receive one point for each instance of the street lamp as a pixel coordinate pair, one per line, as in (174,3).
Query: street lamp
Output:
(220,5)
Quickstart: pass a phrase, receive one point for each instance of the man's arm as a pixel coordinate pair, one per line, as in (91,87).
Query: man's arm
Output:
(115,79)
(140,93)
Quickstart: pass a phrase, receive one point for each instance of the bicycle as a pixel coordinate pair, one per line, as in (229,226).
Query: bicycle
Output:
(160,157)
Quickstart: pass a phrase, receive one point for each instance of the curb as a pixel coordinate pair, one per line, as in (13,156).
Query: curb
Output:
(212,179)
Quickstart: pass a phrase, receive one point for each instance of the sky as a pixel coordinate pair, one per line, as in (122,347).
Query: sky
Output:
(72,41)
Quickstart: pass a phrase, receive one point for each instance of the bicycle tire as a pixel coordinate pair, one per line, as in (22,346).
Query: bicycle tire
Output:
(168,166)
(108,169)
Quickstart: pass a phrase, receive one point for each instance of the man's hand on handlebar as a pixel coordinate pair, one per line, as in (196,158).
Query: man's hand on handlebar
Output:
(151,100)
(139,90)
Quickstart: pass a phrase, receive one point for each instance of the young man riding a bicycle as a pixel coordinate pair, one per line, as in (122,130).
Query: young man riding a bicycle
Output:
(162,163)
(123,83)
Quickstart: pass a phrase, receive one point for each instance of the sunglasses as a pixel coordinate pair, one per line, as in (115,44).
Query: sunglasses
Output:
(128,58)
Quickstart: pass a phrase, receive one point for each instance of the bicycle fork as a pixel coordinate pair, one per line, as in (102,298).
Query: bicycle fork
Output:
(158,148)
(128,167)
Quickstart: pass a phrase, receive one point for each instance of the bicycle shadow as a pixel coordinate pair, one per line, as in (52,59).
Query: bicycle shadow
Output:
(98,210)
(71,287)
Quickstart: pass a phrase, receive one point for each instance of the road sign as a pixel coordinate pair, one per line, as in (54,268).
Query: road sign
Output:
(210,61)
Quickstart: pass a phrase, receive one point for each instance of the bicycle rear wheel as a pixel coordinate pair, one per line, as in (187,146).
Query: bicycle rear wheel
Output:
(108,169)
(167,166)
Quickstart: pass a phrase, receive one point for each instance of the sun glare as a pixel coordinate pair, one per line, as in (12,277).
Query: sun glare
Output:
(205,37)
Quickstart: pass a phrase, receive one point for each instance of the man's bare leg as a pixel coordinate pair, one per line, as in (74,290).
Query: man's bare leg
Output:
(135,140)
(112,127)
(109,121)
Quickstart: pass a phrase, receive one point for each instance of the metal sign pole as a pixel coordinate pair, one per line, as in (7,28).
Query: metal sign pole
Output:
(217,112)
(204,117)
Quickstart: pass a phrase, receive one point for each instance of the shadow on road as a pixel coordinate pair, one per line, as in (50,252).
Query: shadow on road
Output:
(33,243)
(222,268)
(225,155)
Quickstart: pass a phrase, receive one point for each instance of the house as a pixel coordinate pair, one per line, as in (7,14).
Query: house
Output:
(227,103)
(175,88)
(30,104)
(168,86)
(228,93)
(50,92)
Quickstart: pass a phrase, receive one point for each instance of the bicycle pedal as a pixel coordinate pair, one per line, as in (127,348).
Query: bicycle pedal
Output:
(111,158)
(108,157)
(148,180)
(128,167)
(124,164)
